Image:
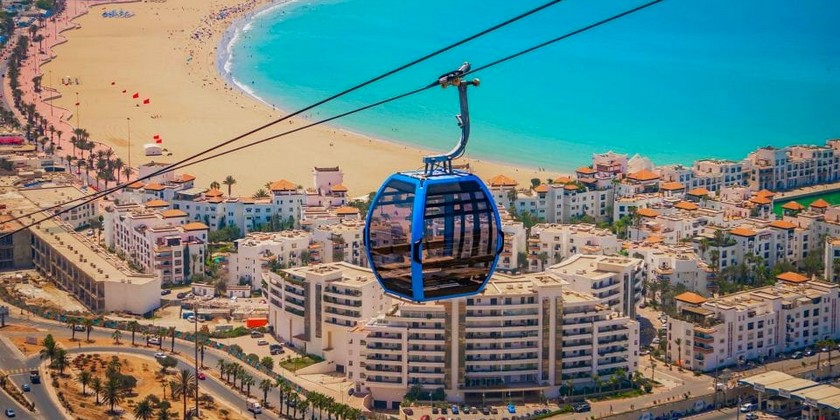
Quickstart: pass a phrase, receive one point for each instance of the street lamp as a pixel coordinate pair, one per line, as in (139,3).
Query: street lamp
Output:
(128,120)
(195,340)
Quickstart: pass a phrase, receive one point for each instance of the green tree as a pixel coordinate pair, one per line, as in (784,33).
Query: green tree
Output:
(267,362)
(116,335)
(50,348)
(112,394)
(84,378)
(229,181)
(184,386)
(61,360)
(133,326)
(144,410)
(163,412)
(265,386)
(97,386)
(88,324)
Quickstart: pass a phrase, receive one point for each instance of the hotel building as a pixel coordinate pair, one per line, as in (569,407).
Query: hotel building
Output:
(558,242)
(615,281)
(709,334)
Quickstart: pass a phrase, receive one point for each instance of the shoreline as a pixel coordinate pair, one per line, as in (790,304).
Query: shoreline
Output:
(224,56)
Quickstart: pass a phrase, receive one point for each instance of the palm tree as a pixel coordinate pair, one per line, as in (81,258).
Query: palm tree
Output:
(304,407)
(58,134)
(113,393)
(265,386)
(118,166)
(88,323)
(293,401)
(215,185)
(116,335)
(97,386)
(50,347)
(61,360)
(598,382)
(183,385)
(246,381)
(163,384)
(132,326)
(172,334)
(282,386)
(163,411)
(144,410)
(229,181)
(261,193)
(127,171)
(84,379)
(678,342)
(161,332)
(71,323)
(223,366)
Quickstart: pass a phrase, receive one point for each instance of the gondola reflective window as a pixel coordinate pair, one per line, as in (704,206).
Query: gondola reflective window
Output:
(434,238)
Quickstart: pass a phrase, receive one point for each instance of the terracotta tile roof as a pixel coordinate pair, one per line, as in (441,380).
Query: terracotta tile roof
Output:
(562,180)
(136,185)
(690,297)
(215,200)
(157,203)
(346,210)
(585,170)
(765,193)
(154,186)
(643,175)
(792,277)
(782,224)
(338,188)
(672,186)
(646,212)
(502,181)
(195,226)
(542,188)
(698,192)
(570,187)
(759,199)
(283,185)
(182,178)
(172,213)
(742,232)
(654,239)
(820,204)
(213,193)
(686,205)
(793,205)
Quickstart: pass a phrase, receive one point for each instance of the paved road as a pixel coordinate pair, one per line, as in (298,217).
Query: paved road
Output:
(9,362)
(211,385)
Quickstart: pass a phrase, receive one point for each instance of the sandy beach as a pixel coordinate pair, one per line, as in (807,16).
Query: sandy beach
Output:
(166,53)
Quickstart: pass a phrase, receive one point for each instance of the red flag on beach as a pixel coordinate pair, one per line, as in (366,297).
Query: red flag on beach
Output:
(158,140)
(157,136)
(145,101)
(136,95)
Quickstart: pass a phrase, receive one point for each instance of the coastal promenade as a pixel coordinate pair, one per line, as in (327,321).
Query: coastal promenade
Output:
(807,191)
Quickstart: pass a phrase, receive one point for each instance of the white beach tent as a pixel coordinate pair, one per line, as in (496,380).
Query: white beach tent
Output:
(152,149)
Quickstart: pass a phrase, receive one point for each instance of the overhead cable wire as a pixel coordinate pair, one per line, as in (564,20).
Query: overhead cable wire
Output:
(183,163)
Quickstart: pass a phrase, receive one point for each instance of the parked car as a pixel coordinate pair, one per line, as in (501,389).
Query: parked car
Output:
(494,411)
(455,409)
(582,407)
(262,342)
(751,416)
(191,318)
(435,410)
(26,388)
(154,340)
(201,376)
(79,327)
(165,292)
(485,410)
(181,295)
(511,409)
(809,352)
(10,412)
(796,355)
(257,334)
(443,410)
(748,407)
(408,411)
(275,349)
(426,417)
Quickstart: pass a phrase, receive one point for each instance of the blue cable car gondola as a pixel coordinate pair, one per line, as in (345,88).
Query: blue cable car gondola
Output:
(435,234)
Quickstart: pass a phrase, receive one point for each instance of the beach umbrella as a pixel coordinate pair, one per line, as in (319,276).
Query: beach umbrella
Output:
(136,95)
(146,101)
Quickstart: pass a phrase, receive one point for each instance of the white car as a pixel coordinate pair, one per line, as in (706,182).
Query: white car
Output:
(160,355)
(154,340)
(191,318)
(748,407)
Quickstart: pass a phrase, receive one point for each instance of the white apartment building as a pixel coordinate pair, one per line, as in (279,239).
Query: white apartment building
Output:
(162,242)
(676,264)
(515,243)
(614,280)
(525,335)
(559,242)
(97,279)
(711,174)
(832,260)
(315,307)
(252,254)
(342,241)
(51,196)
(559,202)
(674,223)
(709,334)
(779,169)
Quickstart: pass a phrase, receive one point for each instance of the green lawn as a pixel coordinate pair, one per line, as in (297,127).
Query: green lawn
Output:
(299,362)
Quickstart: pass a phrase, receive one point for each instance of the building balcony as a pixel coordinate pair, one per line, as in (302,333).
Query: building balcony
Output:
(343,302)
(342,292)
(392,349)
(706,350)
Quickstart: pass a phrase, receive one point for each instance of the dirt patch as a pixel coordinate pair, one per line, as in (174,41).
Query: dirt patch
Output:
(47,295)
(13,328)
(27,348)
(148,378)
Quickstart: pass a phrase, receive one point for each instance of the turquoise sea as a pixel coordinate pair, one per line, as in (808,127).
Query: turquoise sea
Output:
(682,80)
